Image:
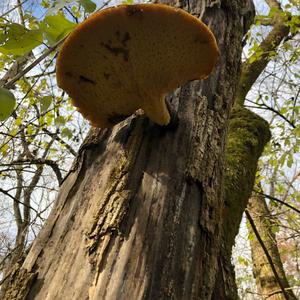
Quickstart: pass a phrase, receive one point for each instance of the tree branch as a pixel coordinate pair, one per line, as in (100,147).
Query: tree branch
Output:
(279,114)
(11,83)
(17,212)
(19,202)
(40,161)
(273,4)
(254,66)
(279,292)
(27,196)
(278,200)
(12,9)
(60,140)
(16,67)
(20,11)
(264,20)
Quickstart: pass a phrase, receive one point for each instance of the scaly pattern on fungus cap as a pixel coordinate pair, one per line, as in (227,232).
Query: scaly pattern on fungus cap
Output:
(128,57)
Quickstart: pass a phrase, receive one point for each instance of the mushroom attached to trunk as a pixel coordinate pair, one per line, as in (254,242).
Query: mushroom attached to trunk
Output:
(129,57)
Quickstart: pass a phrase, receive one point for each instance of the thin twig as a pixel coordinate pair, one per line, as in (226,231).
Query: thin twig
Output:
(20,202)
(60,140)
(10,84)
(278,200)
(12,9)
(40,161)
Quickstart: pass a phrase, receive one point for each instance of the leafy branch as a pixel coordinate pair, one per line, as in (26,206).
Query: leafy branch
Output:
(257,62)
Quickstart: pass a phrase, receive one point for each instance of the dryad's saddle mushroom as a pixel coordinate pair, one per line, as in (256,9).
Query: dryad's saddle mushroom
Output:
(129,57)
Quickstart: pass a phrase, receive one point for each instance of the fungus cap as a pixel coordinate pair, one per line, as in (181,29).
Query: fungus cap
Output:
(129,57)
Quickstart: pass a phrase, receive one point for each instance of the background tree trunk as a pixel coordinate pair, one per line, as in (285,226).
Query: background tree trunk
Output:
(271,286)
(139,214)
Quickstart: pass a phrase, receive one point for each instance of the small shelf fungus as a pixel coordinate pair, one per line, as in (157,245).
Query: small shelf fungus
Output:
(129,57)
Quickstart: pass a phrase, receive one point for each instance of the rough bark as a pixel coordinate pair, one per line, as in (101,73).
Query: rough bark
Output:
(271,286)
(139,215)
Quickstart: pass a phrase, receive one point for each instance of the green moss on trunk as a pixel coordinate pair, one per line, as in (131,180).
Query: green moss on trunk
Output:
(248,134)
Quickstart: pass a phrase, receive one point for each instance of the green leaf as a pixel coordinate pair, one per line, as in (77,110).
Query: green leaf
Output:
(128,2)
(18,40)
(13,132)
(45,4)
(59,121)
(3,37)
(251,236)
(282,159)
(30,129)
(287,142)
(49,119)
(296,131)
(243,261)
(4,149)
(45,103)
(88,5)
(56,27)
(284,110)
(290,160)
(18,121)
(57,5)
(66,132)
(275,229)
(7,103)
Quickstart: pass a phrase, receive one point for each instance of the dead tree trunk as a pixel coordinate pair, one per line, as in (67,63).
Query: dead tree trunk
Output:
(139,214)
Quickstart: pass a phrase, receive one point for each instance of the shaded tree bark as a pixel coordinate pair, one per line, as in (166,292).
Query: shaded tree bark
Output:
(271,282)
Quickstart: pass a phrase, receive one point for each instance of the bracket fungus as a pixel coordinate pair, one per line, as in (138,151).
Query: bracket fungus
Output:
(129,57)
